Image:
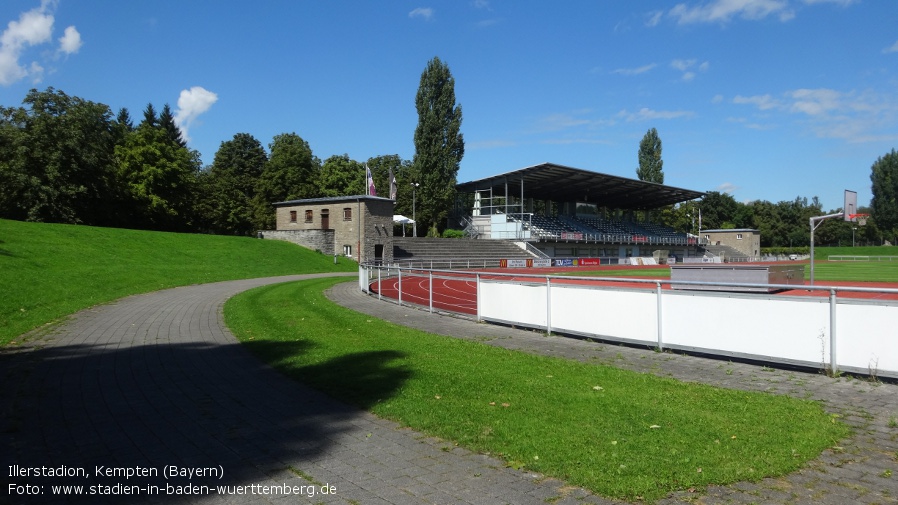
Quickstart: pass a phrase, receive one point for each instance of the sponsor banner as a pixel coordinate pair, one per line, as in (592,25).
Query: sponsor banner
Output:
(567,235)
(563,262)
(503,263)
(589,262)
(517,263)
(640,239)
(542,262)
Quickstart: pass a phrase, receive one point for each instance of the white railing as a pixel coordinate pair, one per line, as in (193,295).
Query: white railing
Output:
(831,332)
(842,257)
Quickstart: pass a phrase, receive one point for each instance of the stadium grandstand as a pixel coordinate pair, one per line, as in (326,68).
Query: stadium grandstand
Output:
(562,211)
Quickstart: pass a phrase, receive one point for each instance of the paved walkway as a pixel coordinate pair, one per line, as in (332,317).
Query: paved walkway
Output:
(124,393)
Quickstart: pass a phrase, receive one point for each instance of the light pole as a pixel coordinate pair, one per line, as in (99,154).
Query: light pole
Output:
(852,235)
(414,217)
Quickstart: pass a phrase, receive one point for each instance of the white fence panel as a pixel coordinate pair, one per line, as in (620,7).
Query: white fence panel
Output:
(785,329)
(617,314)
(867,336)
(514,303)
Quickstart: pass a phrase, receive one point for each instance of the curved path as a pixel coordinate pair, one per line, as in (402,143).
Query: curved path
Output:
(123,392)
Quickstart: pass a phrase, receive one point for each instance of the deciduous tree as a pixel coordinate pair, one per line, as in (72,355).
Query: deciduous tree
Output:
(291,173)
(884,206)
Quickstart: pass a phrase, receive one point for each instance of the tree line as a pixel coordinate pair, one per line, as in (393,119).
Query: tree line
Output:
(65,159)
(783,225)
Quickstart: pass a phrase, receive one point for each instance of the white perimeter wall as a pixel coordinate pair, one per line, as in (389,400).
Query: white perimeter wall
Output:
(776,328)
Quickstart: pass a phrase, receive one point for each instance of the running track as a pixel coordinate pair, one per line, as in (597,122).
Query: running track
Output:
(457,292)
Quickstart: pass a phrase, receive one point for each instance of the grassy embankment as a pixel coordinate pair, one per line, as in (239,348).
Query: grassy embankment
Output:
(619,433)
(48,271)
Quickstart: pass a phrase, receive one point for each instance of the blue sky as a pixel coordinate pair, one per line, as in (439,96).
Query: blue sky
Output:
(763,99)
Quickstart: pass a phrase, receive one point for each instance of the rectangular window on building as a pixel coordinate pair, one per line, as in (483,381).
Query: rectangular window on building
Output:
(347,213)
(347,250)
(738,236)
(309,216)
(292,216)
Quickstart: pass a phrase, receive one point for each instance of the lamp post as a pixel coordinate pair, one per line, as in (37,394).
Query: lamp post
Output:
(414,218)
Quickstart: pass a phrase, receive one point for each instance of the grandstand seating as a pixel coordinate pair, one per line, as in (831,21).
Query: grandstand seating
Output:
(602,230)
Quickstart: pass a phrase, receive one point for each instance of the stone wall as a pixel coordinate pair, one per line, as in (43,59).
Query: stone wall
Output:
(317,240)
(361,227)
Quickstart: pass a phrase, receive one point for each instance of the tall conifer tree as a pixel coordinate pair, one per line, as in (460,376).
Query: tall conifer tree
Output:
(439,144)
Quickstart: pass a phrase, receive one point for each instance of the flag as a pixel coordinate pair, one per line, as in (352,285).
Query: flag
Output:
(371,190)
(393,187)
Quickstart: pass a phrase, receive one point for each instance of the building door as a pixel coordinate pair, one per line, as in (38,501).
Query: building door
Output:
(378,253)
(325,219)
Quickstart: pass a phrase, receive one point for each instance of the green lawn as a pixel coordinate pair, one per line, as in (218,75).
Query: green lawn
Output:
(48,271)
(619,433)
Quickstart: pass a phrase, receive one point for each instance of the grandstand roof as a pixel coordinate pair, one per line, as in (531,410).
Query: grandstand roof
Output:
(559,183)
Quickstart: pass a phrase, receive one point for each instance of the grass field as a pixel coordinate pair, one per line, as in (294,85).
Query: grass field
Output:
(48,271)
(619,433)
(858,271)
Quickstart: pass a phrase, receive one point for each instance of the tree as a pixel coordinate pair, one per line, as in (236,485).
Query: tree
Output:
(160,177)
(341,176)
(149,116)
(717,208)
(167,123)
(650,162)
(56,160)
(232,181)
(291,173)
(884,206)
(439,144)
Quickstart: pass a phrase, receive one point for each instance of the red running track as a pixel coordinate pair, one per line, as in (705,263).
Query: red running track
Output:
(457,292)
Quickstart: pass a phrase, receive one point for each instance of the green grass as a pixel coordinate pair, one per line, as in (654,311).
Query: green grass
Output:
(621,434)
(48,271)
(822,253)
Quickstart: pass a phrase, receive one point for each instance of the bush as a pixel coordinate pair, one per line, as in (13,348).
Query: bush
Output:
(450,233)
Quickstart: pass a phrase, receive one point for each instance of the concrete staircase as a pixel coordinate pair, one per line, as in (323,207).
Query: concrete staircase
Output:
(727,253)
(458,250)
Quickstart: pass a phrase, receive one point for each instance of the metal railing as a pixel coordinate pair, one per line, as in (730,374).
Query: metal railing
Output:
(526,300)
(843,257)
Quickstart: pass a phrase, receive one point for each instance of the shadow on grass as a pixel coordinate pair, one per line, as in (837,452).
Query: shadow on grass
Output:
(190,405)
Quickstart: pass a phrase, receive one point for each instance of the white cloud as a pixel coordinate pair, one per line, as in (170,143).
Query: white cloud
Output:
(634,71)
(726,187)
(421,12)
(686,67)
(843,3)
(654,18)
(70,42)
(33,28)
(814,102)
(191,103)
(891,49)
(763,102)
(851,116)
(722,11)
(646,114)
